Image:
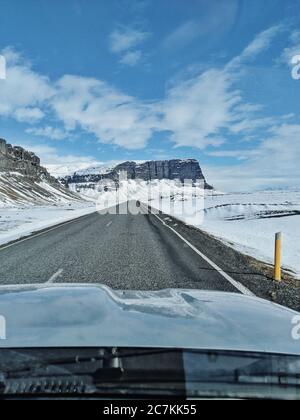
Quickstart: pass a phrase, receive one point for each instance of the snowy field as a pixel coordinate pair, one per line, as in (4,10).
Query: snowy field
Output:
(16,222)
(248,222)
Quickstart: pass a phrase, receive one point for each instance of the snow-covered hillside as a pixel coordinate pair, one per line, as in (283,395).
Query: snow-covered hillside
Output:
(18,189)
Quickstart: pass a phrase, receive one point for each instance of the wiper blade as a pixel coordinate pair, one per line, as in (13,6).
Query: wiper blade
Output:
(114,354)
(109,358)
(269,378)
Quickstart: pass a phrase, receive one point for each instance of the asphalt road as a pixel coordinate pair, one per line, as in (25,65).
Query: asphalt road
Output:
(121,251)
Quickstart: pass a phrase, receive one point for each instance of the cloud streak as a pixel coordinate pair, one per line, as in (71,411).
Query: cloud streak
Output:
(124,41)
(197,112)
(204,111)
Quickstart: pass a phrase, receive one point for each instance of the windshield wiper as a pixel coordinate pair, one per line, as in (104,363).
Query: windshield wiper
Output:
(110,358)
(168,370)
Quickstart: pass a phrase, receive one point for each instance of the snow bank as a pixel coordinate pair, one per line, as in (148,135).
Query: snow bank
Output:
(16,222)
(248,222)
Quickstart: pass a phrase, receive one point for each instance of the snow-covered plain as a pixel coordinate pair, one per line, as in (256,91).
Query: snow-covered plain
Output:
(246,221)
(17,222)
(29,204)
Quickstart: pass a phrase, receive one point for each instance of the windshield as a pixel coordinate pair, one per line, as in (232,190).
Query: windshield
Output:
(150,197)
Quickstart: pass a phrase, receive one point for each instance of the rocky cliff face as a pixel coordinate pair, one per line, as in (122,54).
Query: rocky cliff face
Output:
(24,181)
(188,169)
(17,159)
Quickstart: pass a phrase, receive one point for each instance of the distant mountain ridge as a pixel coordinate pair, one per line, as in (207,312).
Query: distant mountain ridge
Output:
(188,169)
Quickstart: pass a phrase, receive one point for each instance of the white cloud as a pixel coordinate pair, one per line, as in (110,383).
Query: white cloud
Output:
(197,110)
(131,58)
(259,44)
(279,153)
(48,132)
(29,115)
(124,41)
(24,92)
(292,50)
(211,22)
(60,164)
(274,162)
(98,108)
(183,35)
(239,154)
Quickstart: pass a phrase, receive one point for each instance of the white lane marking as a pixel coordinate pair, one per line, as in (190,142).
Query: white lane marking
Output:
(46,231)
(234,283)
(109,224)
(55,276)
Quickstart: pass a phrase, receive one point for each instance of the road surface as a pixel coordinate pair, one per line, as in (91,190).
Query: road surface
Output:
(121,251)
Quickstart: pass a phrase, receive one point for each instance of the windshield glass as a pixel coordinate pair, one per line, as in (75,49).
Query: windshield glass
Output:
(150,196)
(142,373)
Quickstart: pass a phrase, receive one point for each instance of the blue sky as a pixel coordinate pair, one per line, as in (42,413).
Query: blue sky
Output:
(100,81)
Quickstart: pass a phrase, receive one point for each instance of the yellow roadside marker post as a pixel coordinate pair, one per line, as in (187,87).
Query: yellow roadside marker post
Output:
(277,266)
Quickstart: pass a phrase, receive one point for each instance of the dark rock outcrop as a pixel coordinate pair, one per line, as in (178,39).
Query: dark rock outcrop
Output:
(24,181)
(17,159)
(188,169)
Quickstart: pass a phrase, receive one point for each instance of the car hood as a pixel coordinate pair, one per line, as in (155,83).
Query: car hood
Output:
(96,316)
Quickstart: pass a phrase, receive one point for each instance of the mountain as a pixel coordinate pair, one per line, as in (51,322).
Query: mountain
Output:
(24,181)
(188,169)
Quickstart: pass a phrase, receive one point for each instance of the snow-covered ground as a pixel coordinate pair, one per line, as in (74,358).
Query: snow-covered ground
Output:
(16,222)
(249,222)
(246,221)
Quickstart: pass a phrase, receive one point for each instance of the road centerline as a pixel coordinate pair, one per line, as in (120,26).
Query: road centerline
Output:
(55,276)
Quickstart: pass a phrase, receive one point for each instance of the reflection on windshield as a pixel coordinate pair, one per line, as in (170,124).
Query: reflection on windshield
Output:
(132,372)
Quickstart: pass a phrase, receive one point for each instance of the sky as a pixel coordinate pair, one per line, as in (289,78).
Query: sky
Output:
(93,82)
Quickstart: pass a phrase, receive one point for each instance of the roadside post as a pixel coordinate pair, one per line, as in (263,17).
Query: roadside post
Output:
(277,265)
